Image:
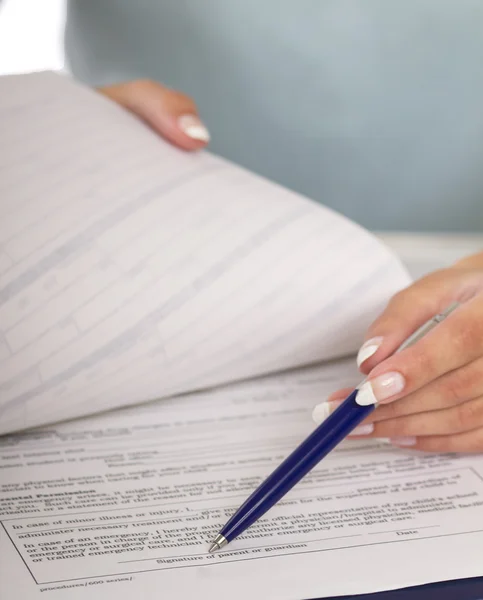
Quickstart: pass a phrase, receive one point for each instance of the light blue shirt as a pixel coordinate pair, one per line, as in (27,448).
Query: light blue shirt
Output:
(372,107)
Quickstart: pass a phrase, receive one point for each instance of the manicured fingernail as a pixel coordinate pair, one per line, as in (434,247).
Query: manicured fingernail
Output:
(366,429)
(323,410)
(194,128)
(403,441)
(380,389)
(368,349)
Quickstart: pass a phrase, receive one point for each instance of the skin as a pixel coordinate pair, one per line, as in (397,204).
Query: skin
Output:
(159,106)
(440,408)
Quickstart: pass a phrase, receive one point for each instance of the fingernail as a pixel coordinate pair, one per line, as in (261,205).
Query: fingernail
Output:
(194,128)
(368,349)
(403,441)
(366,429)
(323,410)
(380,389)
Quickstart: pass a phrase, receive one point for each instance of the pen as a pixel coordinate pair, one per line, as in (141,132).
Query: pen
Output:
(310,452)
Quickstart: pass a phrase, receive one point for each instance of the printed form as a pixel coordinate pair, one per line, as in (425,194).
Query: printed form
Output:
(126,503)
(130,271)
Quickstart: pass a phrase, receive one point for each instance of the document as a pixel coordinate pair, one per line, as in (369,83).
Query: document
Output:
(189,315)
(131,271)
(125,503)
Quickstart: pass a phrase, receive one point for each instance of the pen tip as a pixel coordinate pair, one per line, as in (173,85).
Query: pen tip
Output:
(218,543)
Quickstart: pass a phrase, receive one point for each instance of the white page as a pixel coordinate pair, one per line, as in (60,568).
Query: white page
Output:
(124,505)
(130,270)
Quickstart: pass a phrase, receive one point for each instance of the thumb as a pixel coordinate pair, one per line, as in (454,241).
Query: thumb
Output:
(170,113)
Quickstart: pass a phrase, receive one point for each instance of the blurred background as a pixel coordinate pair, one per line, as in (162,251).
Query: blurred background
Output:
(27,24)
(376,113)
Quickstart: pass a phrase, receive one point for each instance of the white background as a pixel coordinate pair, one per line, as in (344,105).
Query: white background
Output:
(31,35)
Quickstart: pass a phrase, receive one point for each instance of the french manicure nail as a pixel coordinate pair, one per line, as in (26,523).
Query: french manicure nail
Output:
(403,441)
(367,349)
(194,128)
(380,389)
(365,429)
(323,410)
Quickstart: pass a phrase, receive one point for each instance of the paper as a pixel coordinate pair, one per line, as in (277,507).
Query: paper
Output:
(125,504)
(131,271)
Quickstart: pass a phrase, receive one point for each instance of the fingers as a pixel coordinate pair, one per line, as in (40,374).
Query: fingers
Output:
(430,395)
(409,309)
(456,429)
(451,405)
(447,421)
(451,345)
(405,312)
(448,390)
(468,442)
(172,114)
(451,389)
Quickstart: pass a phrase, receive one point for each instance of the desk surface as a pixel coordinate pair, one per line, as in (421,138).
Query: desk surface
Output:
(467,589)
(422,253)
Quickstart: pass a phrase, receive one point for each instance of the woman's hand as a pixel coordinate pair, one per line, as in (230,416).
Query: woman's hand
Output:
(172,114)
(431,394)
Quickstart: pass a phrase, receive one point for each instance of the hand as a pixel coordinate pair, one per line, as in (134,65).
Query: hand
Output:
(172,114)
(430,395)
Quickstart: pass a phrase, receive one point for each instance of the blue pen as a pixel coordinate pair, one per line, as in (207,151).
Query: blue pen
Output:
(310,452)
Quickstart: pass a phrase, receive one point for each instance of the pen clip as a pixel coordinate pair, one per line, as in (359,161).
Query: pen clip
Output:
(427,327)
(441,316)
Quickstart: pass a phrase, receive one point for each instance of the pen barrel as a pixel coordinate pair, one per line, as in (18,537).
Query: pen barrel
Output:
(328,435)
(302,460)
